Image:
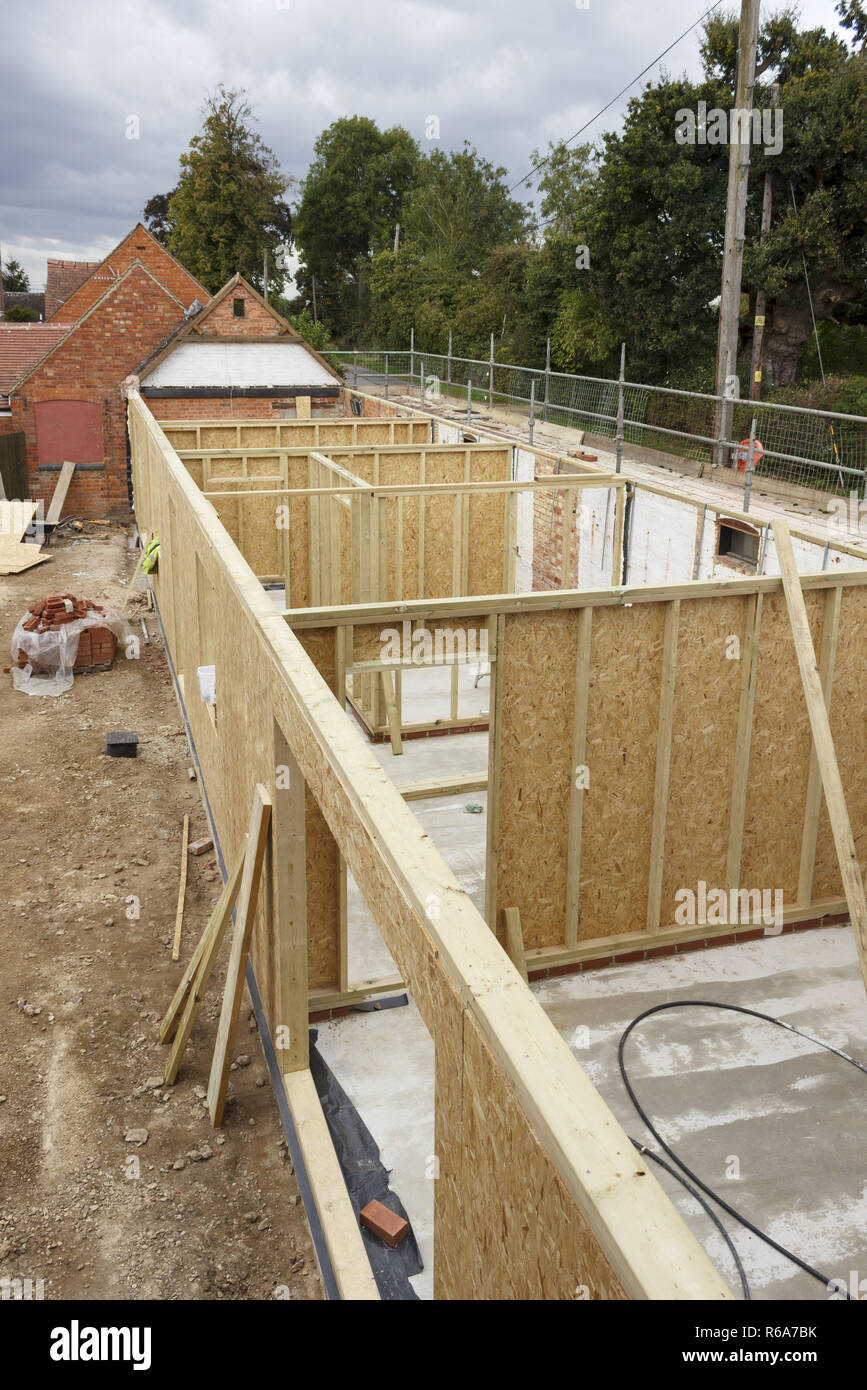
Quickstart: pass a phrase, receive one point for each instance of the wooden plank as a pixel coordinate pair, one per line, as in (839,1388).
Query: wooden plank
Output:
(391,712)
(59,497)
(514,940)
(14,559)
(579,777)
(823,742)
(182,890)
(302,407)
(663,764)
(617,542)
(741,766)
(337,1218)
(217,923)
(260,820)
(444,786)
(827,659)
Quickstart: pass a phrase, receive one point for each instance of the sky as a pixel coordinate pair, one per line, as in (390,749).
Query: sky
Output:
(504,74)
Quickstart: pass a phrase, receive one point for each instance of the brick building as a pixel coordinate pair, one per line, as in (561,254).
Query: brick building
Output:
(236,359)
(70,402)
(140,313)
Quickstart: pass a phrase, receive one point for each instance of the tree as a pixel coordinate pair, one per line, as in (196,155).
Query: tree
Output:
(351,200)
(652,214)
(15,277)
(228,208)
(460,209)
(158,218)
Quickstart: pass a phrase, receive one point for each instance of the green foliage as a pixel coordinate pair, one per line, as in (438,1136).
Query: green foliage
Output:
(351,200)
(20,313)
(228,208)
(460,209)
(15,277)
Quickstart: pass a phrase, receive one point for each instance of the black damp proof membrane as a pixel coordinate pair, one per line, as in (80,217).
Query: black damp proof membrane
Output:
(366,1179)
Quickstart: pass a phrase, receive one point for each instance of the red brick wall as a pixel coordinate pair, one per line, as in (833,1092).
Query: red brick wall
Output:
(7,425)
(142,246)
(91,365)
(257,320)
(237,407)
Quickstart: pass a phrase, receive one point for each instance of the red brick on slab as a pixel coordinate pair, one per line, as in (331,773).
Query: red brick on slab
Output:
(384,1223)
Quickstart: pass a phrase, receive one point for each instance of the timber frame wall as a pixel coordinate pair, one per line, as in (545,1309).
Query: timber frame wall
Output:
(524,1143)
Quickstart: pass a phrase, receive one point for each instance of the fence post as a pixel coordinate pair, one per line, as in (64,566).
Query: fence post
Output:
(491,375)
(469,400)
(411,353)
(532,407)
(547,377)
(421,383)
(449,361)
(748,480)
(620,381)
(386,376)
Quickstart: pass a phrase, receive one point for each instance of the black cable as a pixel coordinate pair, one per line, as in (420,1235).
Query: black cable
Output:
(726,1206)
(536,167)
(693,1192)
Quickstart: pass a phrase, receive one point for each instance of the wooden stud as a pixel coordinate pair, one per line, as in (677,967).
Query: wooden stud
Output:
(743,739)
(579,756)
(248,897)
(59,495)
(827,658)
(514,940)
(391,712)
(663,764)
(217,924)
(823,742)
(494,739)
(182,889)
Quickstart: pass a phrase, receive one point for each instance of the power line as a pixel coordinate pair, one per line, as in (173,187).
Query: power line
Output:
(587,124)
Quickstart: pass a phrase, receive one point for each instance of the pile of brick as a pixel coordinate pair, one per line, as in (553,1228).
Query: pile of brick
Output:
(96,645)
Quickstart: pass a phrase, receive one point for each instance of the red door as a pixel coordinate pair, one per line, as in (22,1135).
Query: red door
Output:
(68,431)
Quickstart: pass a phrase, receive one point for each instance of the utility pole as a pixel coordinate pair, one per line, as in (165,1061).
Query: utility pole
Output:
(761,298)
(315,315)
(740,130)
(396,238)
(265,273)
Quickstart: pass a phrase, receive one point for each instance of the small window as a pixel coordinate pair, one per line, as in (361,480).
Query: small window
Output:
(239,308)
(738,543)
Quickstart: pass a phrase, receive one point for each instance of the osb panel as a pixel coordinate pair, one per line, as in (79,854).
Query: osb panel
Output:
(265,466)
(521,1237)
(227,510)
(296,436)
(439,525)
(487,521)
(622,717)
(536,665)
(180,437)
(230,469)
(779,755)
(221,437)
(195,468)
(704,730)
(849,729)
(262,541)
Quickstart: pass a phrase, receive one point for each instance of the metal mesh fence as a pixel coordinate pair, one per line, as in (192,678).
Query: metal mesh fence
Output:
(813,448)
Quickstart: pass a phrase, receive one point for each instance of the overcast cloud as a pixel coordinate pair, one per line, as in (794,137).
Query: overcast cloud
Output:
(506,75)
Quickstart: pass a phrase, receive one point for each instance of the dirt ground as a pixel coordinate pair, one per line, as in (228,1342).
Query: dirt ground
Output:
(88,840)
